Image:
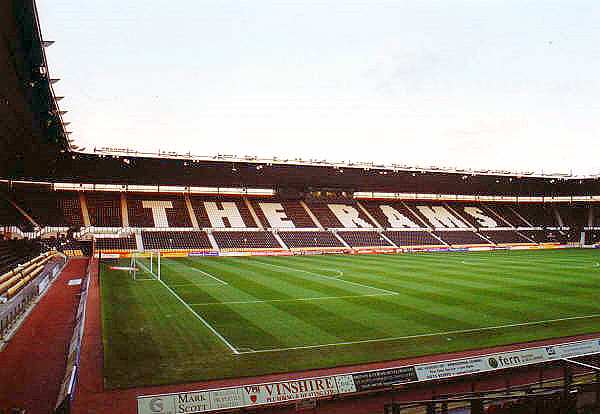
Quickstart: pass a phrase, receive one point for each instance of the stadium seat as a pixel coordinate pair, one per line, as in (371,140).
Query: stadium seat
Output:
(292,210)
(392,214)
(116,243)
(245,240)
(51,208)
(364,239)
(460,238)
(412,238)
(538,215)
(340,214)
(104,209)
(14,252)
(309,239)
(148,210)
(505,237)
(222,212)
(169,240)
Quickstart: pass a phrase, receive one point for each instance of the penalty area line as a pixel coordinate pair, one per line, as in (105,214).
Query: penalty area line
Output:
(398,338)
(209,275)
(244,302)
(328,277)
(200,285)
(200,318)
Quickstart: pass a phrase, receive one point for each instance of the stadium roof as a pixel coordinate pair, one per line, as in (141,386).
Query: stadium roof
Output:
(32,129)
(411,83)
(37,145)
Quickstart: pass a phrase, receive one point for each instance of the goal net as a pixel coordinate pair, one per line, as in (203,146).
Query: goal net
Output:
(145,265)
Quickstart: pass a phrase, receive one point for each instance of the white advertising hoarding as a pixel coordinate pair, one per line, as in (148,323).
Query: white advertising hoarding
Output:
(246,396)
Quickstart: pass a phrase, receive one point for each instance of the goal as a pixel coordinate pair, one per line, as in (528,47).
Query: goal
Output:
(145,265)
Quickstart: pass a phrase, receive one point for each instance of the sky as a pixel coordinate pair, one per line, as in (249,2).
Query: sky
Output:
(494,84)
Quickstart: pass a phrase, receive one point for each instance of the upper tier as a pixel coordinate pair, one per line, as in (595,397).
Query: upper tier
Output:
(27,209)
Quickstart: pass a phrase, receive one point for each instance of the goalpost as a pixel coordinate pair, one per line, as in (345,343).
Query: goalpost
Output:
(145,265)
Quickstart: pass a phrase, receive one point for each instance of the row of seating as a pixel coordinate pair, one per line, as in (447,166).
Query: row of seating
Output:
(243,240)
(65,209)
(173,240)
(308,239)
(13,281)
(116,243)
(15,252)
(458,238)
(246,240)
(364,239)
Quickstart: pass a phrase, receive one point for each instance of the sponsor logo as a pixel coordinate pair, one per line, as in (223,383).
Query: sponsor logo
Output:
(550,350)
(509,361)
(493,363)
(207,253)
(157,405)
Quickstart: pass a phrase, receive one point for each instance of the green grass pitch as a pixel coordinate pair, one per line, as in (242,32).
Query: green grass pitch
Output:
(229,317)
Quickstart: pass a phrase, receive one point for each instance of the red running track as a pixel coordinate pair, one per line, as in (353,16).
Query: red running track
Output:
(33,362)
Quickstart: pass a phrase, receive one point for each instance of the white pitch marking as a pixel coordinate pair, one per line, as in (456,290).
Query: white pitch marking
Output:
(328,277)
(200,318)
(209,275)
(194,284)
(222,282)
(339,272)
(243,302)
(364,341)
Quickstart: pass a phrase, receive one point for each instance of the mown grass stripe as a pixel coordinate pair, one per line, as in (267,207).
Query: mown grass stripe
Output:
(487,328)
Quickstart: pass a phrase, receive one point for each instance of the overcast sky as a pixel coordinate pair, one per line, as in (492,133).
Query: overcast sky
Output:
(506,84)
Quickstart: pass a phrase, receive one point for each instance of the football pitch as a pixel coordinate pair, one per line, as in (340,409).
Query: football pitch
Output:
(209,318)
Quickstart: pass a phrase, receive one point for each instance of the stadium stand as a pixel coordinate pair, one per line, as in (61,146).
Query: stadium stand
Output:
(412,238)
(9,216)
(574,216)
(274,213)
(458,238)
(151,210)
(505,237)
(298,214)
(595,214)
(15,252)
(116,243)
(324,214)
(104,209)
(592,236)
(339,214)
(77,248)
(243,240)
(13,281)
(170,240)
(309,239)
(541,236)
(538,215)
(508,212)
(392,214)
(52,208)
(220,212)
(363,239)
(69,247)
(477,215)
(437,215)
